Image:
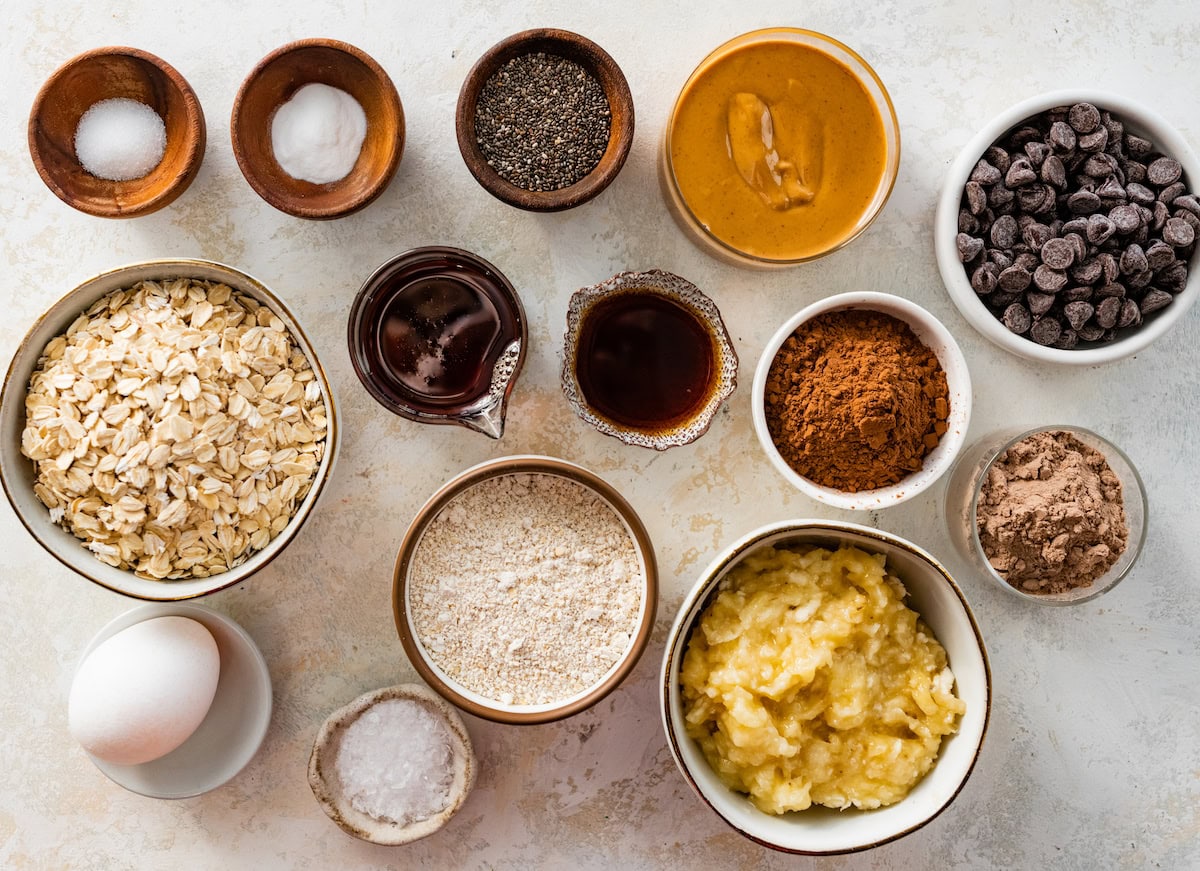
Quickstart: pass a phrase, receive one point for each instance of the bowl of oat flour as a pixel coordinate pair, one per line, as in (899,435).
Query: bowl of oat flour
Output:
(525,589)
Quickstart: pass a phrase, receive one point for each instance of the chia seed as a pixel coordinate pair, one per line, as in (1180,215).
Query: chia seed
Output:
(542,122)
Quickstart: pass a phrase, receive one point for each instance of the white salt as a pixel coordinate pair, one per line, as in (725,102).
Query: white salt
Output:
(318,133)
(395,762)
(120,139)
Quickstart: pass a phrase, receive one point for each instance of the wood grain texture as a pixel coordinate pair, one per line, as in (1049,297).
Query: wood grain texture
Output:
(103,74)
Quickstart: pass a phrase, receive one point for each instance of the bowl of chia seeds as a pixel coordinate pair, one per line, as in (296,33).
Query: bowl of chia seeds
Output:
(545,120)
(1067,228)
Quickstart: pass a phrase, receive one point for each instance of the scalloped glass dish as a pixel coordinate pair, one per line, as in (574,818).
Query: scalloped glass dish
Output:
(654,356)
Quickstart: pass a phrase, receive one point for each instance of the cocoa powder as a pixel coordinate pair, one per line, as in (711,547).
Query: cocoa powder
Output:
(855,401)
(1051,515)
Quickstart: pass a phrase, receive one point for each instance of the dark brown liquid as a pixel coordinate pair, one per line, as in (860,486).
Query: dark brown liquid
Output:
(645,361)
(433,332)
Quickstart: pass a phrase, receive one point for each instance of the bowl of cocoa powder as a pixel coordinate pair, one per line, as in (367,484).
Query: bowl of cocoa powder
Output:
(862,400)
(1055,515)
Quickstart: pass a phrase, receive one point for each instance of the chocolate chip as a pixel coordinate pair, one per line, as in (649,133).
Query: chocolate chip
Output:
(1109,266)
(1164,171)
(1020,172)
(1137,147)
(1017,318)
(1134,172)
(1045,331)
(998,157)
(1036,235)
(1140,194)
(1190,218)
(1037,152)
(1003,259)
(1078,313)
(1053,172)
(1021,135)
(1178,232)
(983,279)
(1061,138)
(1125,218)
(1138,280)
(1067,340)
(1159,255)
(1172,191)
(969,247)
(1087,272)
(1074,294)
(1084,117)
(1112,289)
(1130,315)
(1154,300)
(1094,141)
(1113,125)
(1049,280)
(1111,189)
(1027,260)
(1091,332)
(1161,213)
(1039,303)
(1099,228)
(1004,232)
(976,197)
(1174,277)
(1075,225)
(1108,311)
(1079,244)
(999,196)
(1188,202)
(1058,254)
(1083,202)
(1133,259)
(985,174)
(967,223)
(1014,279)
(1000,300)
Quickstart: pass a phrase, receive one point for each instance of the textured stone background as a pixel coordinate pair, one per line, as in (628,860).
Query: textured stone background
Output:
(1092,756)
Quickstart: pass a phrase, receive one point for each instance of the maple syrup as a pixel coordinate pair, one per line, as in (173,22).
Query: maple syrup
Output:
(428,329)
(645,361)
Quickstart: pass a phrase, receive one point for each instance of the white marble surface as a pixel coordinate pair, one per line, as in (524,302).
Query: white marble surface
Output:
(1092,756)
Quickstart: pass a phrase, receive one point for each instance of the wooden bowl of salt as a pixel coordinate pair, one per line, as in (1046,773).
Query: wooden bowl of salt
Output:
(125,74)
(275,86)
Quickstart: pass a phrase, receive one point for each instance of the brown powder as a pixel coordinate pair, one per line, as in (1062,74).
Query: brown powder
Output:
(1051,517)
(855,401)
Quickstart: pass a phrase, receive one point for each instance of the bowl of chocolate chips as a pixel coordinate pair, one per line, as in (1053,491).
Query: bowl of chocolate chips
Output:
(1067,228)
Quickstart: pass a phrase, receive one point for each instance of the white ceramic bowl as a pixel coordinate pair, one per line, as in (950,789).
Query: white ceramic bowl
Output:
(1139,119)
(328,789)
(936,337)
(17,472)
(232,731)
(934,595)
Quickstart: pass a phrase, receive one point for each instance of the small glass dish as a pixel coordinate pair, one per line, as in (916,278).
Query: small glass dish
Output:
(962,501)
(679,293)
(697,225)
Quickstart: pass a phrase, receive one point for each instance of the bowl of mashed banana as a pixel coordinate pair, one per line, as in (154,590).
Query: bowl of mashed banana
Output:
(825,687)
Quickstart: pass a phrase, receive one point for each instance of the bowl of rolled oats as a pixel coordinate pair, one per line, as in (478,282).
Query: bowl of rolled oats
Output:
(167,428)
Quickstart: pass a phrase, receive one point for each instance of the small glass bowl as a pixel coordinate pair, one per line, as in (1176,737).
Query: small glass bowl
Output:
(962,501)
(695,226)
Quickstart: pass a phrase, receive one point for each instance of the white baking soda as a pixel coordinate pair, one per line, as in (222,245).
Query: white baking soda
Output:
(395,762)
(318,133)
(120,139)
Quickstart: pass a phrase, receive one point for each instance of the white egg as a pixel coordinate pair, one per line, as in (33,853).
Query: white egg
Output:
(144,691)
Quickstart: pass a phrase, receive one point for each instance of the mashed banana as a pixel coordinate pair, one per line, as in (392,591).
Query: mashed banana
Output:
(808,681)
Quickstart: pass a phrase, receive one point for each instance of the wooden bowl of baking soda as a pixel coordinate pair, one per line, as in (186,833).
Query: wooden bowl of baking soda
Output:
(116,132)
(318,129)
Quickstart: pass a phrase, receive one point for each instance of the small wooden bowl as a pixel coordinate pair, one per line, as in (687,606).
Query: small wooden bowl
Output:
(592,58)
(102,74)
(273,82)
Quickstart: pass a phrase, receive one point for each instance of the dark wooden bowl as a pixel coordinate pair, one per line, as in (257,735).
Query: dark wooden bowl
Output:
(273,82)
(592,58)
(102,74)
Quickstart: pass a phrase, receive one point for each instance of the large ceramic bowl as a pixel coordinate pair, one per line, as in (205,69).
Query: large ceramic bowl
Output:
(930,331)
(17,472)
(1139,119)
(456,691)
(934,595)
